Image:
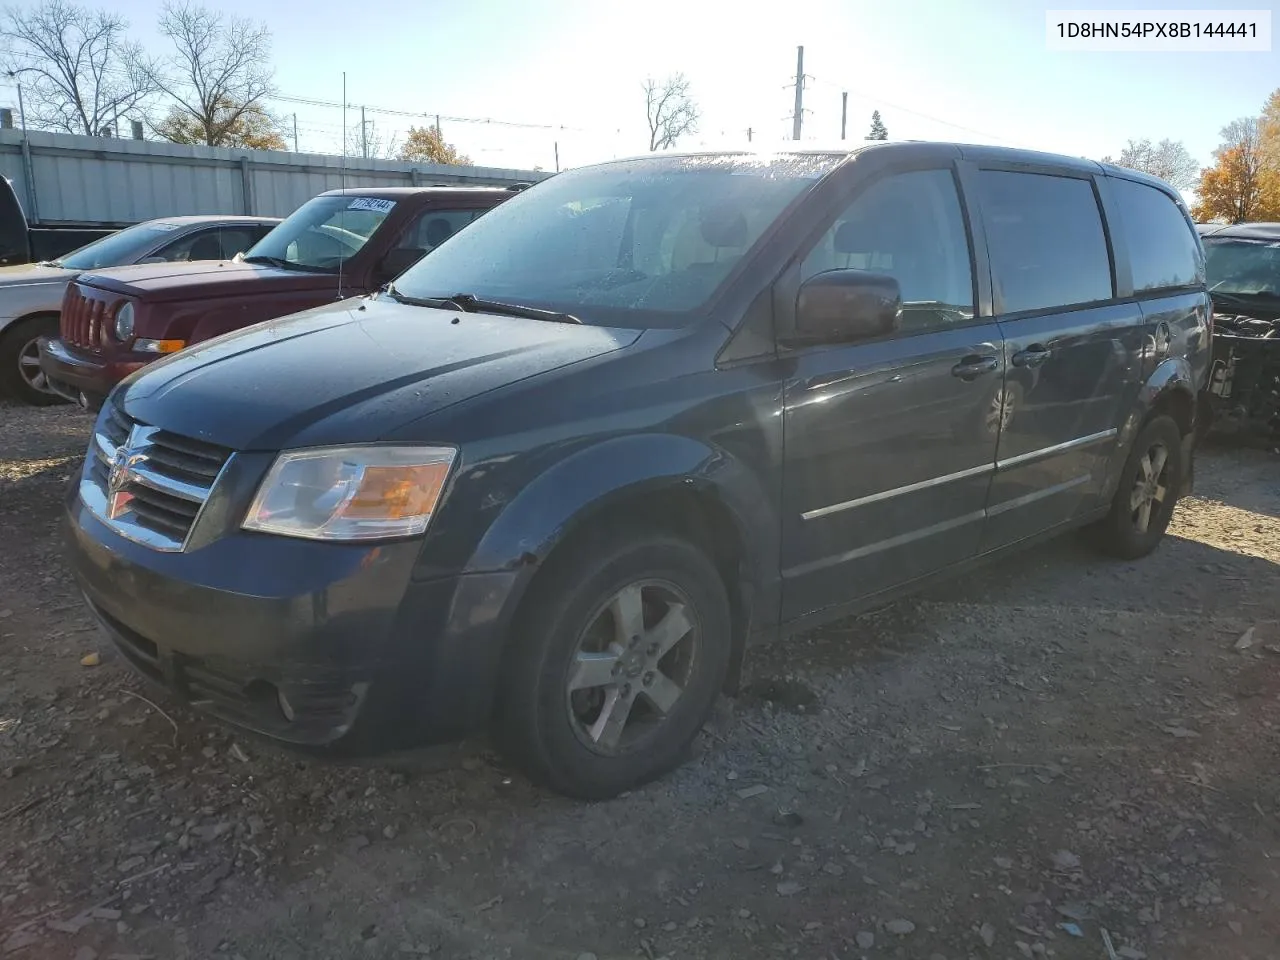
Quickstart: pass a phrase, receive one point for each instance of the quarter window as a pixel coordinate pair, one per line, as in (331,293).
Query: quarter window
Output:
(1162,246)
(910,227)
(1045,240)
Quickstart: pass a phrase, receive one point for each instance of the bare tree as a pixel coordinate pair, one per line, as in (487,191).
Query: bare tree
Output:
(219,68)
(671,111)
(371,142)
(1169,160)
(78,70)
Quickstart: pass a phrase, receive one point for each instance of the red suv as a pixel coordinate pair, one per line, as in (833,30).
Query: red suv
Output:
(343,243)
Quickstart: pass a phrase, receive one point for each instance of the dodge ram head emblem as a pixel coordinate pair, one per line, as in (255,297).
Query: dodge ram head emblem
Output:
(125,458)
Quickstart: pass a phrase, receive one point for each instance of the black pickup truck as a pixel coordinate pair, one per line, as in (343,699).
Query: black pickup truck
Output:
(22,243)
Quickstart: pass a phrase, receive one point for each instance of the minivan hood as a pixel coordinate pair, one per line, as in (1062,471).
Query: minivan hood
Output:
(349,372)
(156,282)
(25,274)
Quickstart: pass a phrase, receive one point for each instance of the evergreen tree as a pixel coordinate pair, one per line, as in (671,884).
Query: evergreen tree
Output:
(878,129)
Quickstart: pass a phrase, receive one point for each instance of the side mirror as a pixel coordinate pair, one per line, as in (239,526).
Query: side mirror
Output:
(153,260)
(397,261)
(841,305)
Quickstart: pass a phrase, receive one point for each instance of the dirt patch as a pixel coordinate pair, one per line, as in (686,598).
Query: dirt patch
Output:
(780,693)
(1003,767)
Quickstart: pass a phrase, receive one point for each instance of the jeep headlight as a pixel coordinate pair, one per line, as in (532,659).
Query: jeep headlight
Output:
(124,322)
(351,493)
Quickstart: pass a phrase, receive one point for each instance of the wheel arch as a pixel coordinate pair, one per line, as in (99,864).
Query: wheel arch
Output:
(653,481)
(1169,390)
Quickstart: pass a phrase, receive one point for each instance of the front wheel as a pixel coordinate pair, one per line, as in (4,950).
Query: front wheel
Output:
(615,665)
(20,373)
(1147,493)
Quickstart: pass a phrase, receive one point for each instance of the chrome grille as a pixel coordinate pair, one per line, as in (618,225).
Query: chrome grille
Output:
(148,484)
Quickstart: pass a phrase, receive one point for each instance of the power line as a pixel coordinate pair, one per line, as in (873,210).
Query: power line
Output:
(386,111)
(947,123)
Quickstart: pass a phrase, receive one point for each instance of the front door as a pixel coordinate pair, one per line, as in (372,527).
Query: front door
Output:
(888,447)
(1073,353)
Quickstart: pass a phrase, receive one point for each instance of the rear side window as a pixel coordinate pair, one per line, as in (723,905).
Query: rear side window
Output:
(1162,248)
(1045,239)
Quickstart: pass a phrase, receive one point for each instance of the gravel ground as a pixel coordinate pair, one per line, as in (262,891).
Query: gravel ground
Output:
(1006,767)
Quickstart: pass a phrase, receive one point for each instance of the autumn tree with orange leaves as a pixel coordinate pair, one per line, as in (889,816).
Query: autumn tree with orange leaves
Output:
(427,145)
(1240,187)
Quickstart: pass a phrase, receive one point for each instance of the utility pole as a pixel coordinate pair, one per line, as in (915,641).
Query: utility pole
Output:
(844,113)
(22,110)
(798,117)
(556,144)
(364,136)
(439,132)
(748,134)
(295,133)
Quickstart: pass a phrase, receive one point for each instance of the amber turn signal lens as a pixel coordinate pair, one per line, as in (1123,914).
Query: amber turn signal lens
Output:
(396,493)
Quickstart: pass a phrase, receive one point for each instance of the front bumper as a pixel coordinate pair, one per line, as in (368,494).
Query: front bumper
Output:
(84,378)
(326,647)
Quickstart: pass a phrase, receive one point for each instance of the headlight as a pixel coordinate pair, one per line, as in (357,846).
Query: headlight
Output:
(351,493)
(124,322)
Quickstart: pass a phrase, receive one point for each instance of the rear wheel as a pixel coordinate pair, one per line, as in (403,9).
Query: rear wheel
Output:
(616,665)
(1147,493)
(20,373)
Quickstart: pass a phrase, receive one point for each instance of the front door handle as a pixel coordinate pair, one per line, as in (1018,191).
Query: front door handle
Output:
(1033,356)
(972,367)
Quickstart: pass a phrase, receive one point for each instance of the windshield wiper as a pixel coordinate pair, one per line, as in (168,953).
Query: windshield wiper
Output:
(473,304)
(435,303)
(1247,298)
(469,303)
(280,262)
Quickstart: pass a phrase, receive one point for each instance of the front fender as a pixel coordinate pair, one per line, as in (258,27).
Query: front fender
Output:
(591,479)
(566,496)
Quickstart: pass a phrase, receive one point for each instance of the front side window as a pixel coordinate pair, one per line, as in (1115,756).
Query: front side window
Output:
(910,227)
(434,227)
(1045,239)
(1243,268)
(235,240)
(120,248)
(200,245)
(1162,247)
(639,243)
(322,233)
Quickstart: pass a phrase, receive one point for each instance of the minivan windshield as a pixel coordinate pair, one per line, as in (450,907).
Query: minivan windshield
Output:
(1243,267)
(120,248)
(640,243)
(322,233)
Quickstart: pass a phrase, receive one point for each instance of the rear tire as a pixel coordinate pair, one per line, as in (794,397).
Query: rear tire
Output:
(1146,494)
(615,664)
(20,375)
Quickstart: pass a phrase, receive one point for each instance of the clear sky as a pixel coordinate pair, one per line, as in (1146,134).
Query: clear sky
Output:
(972,70)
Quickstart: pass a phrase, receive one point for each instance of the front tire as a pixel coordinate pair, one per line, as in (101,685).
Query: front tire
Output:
(615,665)
(20,375)
(1147,493)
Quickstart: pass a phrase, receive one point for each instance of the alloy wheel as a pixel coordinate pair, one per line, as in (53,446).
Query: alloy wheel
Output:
(29,366)
(1150,487)
(631,666)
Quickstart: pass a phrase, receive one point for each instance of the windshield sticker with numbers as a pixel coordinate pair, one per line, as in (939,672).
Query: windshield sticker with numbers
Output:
(371,203)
